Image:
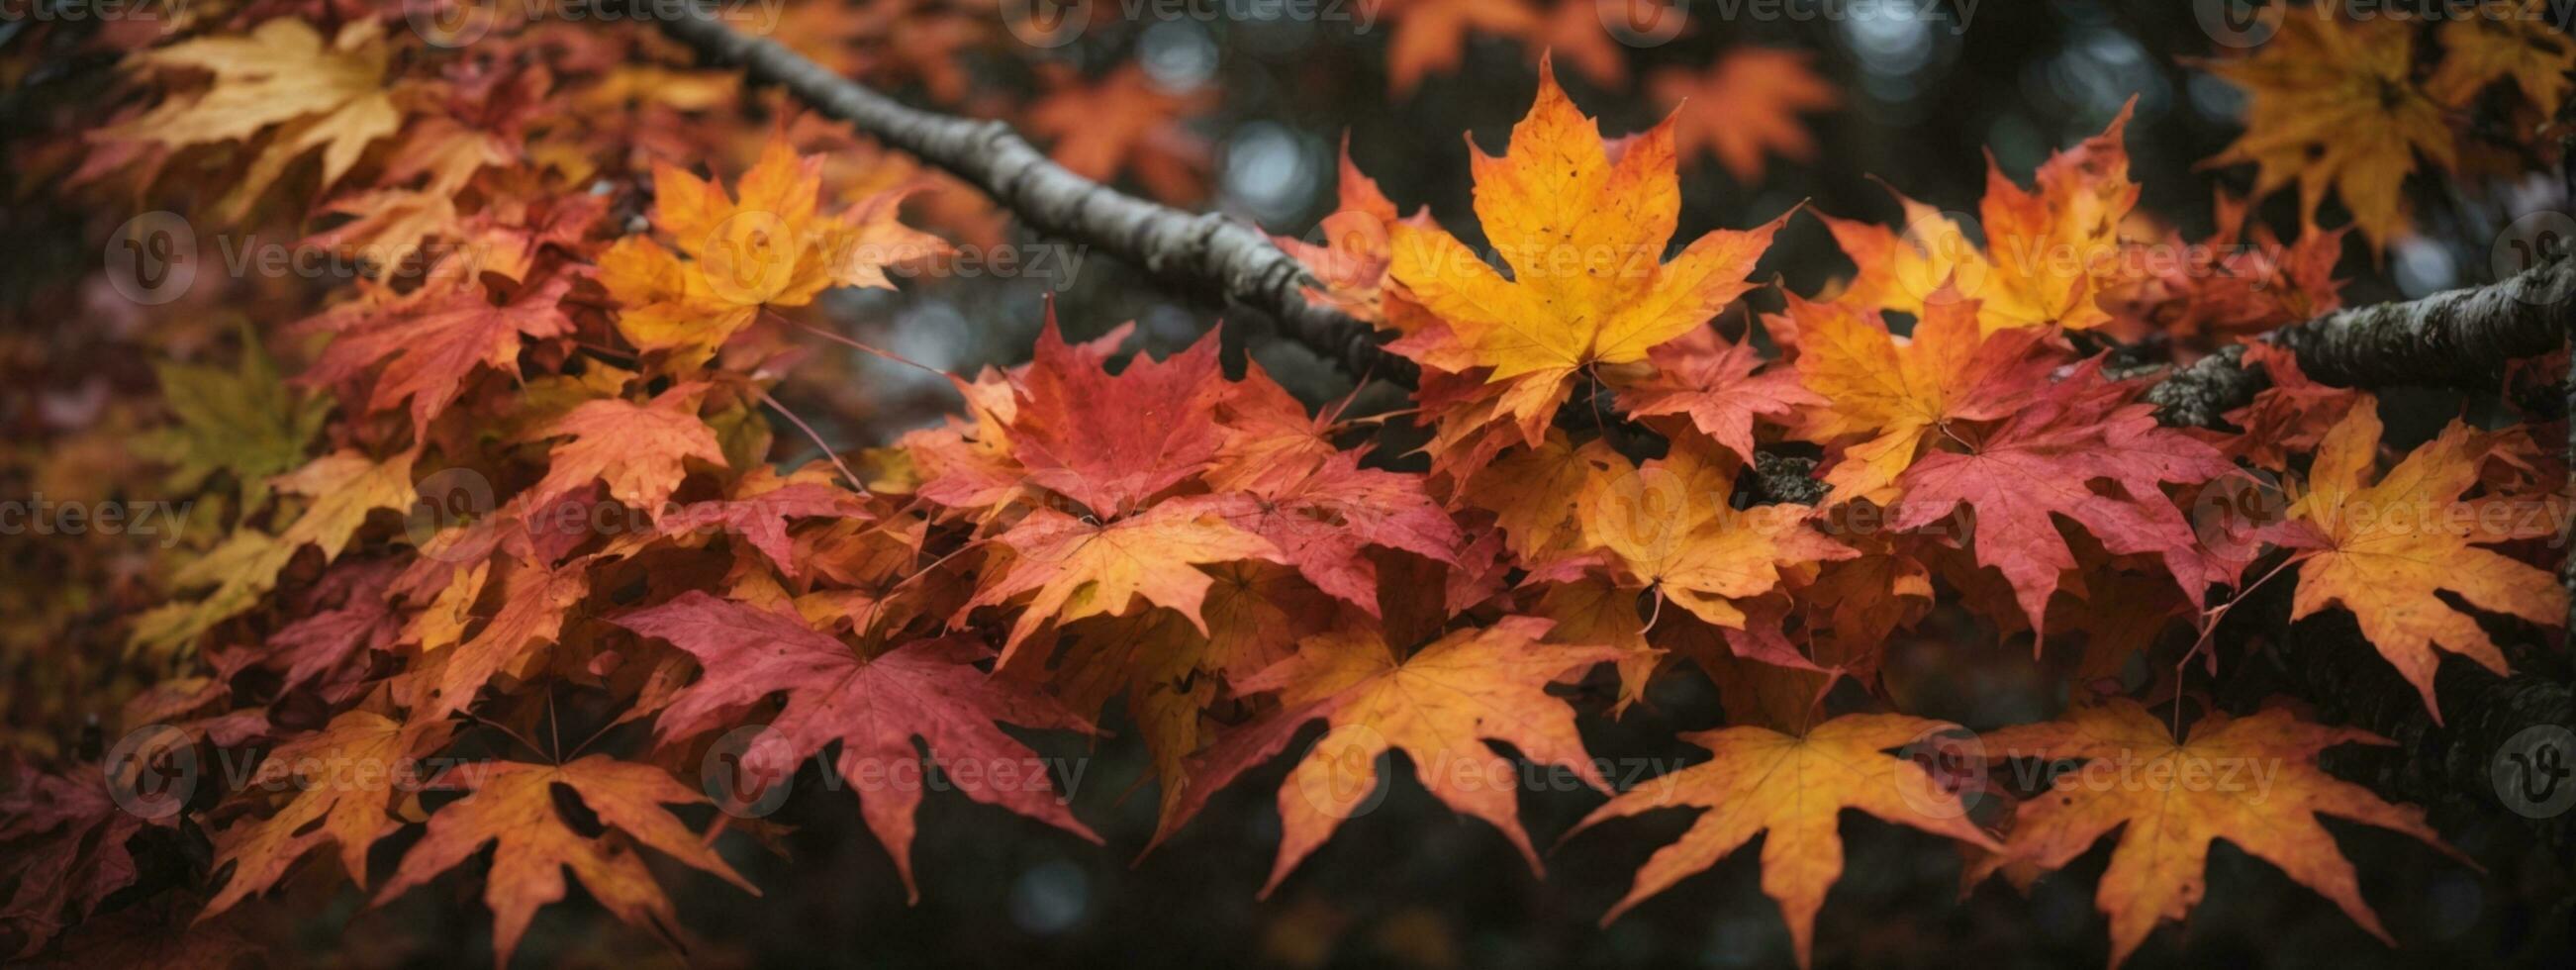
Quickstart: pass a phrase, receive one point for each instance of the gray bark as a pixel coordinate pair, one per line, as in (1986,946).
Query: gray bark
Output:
(2457,338)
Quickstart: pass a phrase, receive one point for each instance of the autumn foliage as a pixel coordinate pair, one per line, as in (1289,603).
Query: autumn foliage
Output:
(604,260)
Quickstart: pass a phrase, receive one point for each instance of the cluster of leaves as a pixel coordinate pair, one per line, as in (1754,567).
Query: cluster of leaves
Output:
(587,351)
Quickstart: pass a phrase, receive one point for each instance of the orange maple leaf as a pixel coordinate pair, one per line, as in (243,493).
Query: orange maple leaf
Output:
(514,808)
(1747,106)
(1793,787)
(345,776)
(1443,706)
(640,450)
(1127,122)
(1584,236)
(2050,252)
(2252,781)
(2504,39)
(2393,546)
(1899,394)
(1079,568)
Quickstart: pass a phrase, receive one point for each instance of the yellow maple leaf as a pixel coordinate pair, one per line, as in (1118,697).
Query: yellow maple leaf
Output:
(2333,105)
(281,74)
(1759,781)
(1584,236)
(2500,39)
(768,246)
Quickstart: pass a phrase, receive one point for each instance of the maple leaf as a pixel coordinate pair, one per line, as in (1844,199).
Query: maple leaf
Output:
(1712,381)
(1170,672)
(1430,36)
(1794,788)
(2236,282)
(428,341)
(2252,781)
(760,510)
(2391,547)
(2500,39)
(69,849)
(2332,104)
(640,450)
(2043,461)
(344,776)
(1323,522)
(1442,706)
(1584,237)
(1353,259)
(1900,394)
(280,74)
(513,807)
(1112,442)
(322,643)
(1669,529)
(1747,105)
(875,706)
(345,487)
(2051,251)
(2292,413)
(1079,568)
(535,600)
(1126,121)
(243,421)
(772,246)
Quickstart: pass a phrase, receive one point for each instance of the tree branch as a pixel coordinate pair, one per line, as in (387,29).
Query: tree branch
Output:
(2457,338)
(1204,254)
